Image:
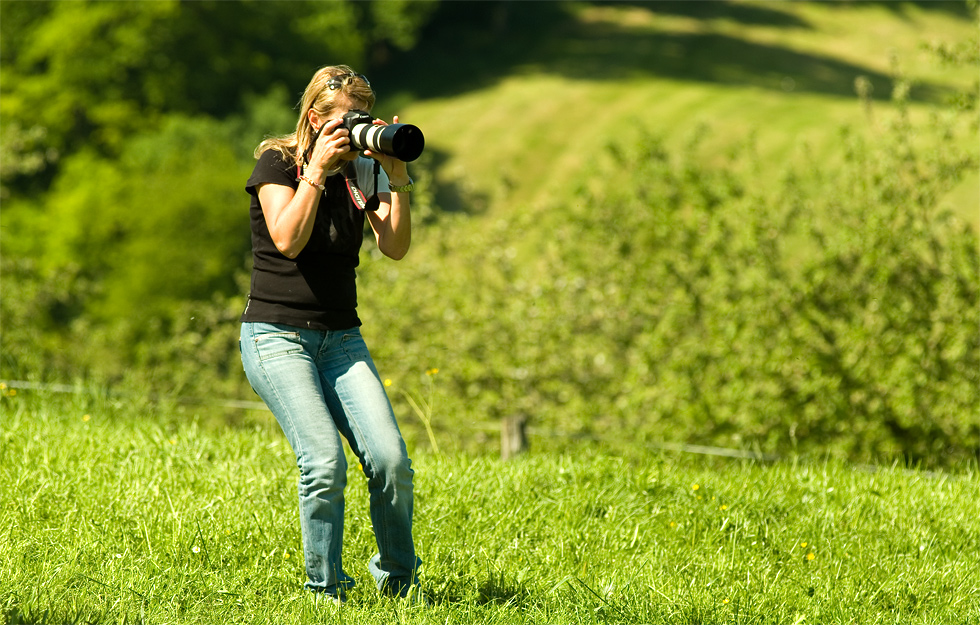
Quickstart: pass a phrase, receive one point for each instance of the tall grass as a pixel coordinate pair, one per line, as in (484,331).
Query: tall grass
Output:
(117,513)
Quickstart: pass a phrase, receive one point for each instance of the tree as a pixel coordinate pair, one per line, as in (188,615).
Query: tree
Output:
(91,74)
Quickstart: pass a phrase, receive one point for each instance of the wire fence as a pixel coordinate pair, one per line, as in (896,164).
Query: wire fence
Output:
(505,428)
(80,390)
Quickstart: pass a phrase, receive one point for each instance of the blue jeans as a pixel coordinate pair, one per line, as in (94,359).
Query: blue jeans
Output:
(320,385)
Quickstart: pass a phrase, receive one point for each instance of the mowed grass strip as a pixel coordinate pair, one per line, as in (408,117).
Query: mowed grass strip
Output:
(111,513)
(781,75)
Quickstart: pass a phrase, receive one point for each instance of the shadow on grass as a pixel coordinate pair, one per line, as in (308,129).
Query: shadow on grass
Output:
(501,592)
(470,45)
(494,590)
(14,616)
(449,196)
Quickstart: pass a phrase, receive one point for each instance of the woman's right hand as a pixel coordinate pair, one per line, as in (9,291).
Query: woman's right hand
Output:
(332,143)
(290,213)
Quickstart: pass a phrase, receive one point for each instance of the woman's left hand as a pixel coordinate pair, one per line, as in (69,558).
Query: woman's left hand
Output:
(396,169)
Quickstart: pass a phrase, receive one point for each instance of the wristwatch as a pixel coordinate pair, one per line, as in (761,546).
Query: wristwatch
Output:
(404,188)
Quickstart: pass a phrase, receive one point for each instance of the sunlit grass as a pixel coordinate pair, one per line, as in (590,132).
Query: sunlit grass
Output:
(112,514)
(525,139)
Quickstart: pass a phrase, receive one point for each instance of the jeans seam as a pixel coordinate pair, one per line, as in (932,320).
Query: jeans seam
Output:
(383,530)
(382,534)
(287,413)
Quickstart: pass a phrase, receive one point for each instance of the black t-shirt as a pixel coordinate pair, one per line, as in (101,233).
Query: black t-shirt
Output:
(316,289)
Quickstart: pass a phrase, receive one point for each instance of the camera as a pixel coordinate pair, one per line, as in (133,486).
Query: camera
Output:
(403,141)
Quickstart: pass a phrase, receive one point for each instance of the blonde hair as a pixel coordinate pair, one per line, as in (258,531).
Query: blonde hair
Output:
(323,101)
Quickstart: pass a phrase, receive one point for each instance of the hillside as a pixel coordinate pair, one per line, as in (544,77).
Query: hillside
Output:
(692,228)
(741,224)
(521,109)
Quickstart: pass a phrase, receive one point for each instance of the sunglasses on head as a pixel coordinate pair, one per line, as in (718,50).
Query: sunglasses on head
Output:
(337,82)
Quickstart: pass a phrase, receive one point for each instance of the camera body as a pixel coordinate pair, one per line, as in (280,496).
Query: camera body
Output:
(354,118)
(403,141)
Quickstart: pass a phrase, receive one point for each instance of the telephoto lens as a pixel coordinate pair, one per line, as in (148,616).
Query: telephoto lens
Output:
(403,141)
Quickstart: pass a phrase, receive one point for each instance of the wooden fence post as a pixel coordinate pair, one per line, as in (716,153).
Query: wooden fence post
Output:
(513,436)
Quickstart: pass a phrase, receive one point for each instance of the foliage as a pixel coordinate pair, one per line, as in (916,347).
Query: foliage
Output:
(833,312)
(124,248)
(90,75)
(154,519)
(110,108)
(692,292)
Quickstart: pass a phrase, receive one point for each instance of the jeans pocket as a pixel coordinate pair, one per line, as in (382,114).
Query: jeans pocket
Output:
(277,344)
(354,346)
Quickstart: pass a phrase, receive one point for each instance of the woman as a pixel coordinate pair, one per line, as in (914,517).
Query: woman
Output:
(300,339)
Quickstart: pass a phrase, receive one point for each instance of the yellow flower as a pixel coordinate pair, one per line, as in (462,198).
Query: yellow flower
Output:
(387,381)
(432,371)
(86,417)
(803,545)
(672,524)
(723,507)
(811,556)
(695,486)
(285,554)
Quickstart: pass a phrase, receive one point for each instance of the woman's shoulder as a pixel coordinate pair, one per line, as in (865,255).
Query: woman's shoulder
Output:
(272,167)
(273,157)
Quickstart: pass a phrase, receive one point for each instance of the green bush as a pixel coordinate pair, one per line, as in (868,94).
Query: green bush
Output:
(116,256)
(828,307)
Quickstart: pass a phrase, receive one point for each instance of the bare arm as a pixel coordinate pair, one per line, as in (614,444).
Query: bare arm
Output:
(290,214)
(392,222)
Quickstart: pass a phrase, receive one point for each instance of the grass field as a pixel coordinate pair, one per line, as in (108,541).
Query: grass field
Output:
(116,511)
(112,513)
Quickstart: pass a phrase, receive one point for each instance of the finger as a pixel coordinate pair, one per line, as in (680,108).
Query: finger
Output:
(332,143)
(338,139)
(340,148)
(378,156)
(329,127)
(328,137)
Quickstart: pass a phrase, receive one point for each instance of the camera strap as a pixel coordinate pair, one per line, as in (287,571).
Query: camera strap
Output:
(369,204)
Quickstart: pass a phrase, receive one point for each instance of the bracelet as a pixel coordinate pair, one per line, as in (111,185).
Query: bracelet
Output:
(310,180)
(404,188)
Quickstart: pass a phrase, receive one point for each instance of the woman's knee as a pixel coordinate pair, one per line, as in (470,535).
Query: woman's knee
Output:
(393,467)
(322,475)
